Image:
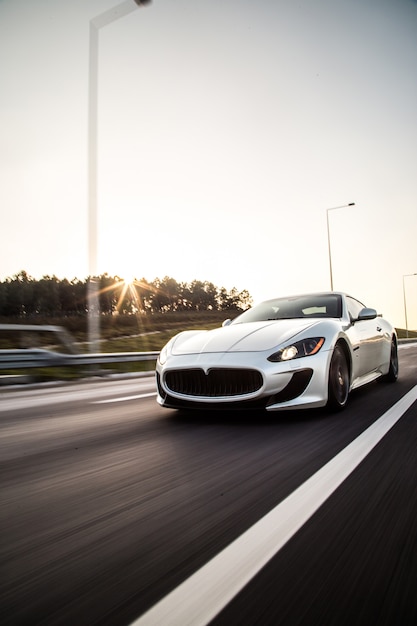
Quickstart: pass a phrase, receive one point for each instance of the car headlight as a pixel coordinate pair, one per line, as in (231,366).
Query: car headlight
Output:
(305,347)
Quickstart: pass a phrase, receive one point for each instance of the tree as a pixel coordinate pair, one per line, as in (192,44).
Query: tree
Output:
(234,300)
(19,295)
(72,297)
(22,296)
(46,296)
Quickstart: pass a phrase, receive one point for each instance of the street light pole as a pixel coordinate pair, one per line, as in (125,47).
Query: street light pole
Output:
(405,302)
(98,22)
(343,206)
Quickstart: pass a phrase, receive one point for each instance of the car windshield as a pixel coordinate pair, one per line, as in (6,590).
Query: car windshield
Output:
(325,305)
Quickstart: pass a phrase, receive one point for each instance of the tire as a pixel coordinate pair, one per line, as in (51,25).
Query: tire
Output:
(339,380)
(392,375)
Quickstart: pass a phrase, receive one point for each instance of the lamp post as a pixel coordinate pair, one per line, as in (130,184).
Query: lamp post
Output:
(342,206)
(98,22)
(405,301)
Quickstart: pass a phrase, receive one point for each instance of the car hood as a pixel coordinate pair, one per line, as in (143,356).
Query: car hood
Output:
(249,337)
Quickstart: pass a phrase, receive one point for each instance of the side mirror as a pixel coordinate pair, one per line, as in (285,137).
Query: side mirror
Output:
(227,322)
(367,314)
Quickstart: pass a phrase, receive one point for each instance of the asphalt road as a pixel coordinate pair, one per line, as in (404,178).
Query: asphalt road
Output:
(109,503)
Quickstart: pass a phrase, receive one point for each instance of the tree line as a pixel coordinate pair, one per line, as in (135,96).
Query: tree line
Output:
(24,296)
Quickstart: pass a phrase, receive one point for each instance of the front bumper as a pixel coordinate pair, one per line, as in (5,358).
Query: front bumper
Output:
(300,383)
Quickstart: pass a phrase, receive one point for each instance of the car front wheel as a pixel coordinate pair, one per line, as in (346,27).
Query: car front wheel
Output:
(392,375)
(338,384)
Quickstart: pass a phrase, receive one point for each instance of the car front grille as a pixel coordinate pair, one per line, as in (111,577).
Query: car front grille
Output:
(218,382)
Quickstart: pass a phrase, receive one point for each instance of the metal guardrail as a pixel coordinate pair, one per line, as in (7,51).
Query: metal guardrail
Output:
(35,358)
(44,346)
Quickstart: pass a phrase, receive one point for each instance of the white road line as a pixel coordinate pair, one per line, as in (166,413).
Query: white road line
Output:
(142,395)
(202,596)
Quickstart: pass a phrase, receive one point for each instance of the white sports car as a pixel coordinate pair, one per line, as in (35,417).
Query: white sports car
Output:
(288,353)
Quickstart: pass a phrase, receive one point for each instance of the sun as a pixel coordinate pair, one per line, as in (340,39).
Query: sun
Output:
(129,279)
(130,286)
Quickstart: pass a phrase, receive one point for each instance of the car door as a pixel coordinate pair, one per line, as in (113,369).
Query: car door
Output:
(366,336)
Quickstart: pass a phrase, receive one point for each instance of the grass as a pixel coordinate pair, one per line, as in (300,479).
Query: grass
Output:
(151,341)
(402,333)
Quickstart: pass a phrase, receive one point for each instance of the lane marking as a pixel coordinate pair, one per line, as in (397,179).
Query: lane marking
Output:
(125,398)
(202,596)
(57,395)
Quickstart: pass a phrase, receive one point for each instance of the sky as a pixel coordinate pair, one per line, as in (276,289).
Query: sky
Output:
(226,129)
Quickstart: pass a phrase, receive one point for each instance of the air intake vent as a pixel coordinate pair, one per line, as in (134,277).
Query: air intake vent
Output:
(217,383)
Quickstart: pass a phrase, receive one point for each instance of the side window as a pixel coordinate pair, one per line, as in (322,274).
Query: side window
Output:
(354,307)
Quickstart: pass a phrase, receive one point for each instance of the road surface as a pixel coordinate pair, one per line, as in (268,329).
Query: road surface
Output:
(118,512)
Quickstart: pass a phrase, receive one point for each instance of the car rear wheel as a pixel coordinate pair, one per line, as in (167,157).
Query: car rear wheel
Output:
(392,375)
(338,384)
